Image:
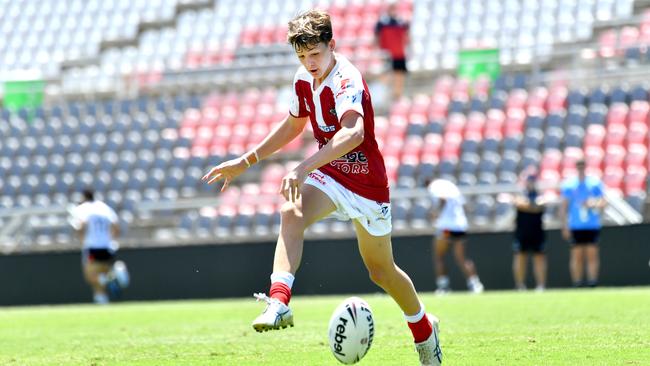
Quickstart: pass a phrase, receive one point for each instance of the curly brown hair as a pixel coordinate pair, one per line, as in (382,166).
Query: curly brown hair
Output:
(308,29)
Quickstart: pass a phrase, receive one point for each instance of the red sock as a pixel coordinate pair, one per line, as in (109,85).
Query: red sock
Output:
(280,291)
(421,330)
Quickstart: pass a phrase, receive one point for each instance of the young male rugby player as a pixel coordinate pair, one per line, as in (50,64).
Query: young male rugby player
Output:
(346,178)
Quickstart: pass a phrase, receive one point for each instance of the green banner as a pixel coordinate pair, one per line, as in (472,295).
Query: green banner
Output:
(475,63)
(26,94)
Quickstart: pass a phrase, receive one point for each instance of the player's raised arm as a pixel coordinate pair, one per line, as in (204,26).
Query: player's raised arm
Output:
(283,133)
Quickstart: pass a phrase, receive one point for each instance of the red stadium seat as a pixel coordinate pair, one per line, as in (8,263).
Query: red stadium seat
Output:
(637,133)
(607,42)
(451,146)
(613,179)
(595,136)
(475,122)
(443,85)
(537,98)
(571,156)
(636,155)
(594,156)
(551,160)
(557,99)
(617,114)
(494,122)
(635,180)
(628,37)
(456,123)
(639,111)
(431,147)
(614,156)
(514,124)
(517,99)
(616,134)
(420,104)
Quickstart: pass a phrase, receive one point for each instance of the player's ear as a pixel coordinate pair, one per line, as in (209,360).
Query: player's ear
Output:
(332,45)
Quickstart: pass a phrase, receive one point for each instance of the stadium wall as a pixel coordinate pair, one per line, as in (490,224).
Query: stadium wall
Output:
(329,266)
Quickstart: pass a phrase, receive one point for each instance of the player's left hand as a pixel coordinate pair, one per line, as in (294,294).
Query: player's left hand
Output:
(292,183)
(227,171)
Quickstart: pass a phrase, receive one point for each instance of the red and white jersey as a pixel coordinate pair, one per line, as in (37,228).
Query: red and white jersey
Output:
(362,170)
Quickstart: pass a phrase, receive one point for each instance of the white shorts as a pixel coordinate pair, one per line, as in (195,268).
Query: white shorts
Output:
(374,216)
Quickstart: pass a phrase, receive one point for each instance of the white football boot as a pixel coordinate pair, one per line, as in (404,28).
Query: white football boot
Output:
(429,350)
(276,315)
(474,285)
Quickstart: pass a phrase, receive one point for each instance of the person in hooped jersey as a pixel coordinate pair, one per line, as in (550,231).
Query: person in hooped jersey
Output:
(451,229)
(345,178)
(529,234)
(97,226)
(583,201)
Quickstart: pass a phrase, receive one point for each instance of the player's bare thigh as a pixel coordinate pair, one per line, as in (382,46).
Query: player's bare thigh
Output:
(375,250)
(442,244)
(93,269)
(313,205)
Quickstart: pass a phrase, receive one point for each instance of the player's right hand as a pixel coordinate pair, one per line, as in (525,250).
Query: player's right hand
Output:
(228,170)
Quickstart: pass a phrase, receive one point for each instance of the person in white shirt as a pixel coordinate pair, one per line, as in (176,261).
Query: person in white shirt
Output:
(97,226)
(451,229)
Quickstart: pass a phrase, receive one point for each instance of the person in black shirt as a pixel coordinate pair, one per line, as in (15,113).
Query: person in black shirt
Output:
(529,235)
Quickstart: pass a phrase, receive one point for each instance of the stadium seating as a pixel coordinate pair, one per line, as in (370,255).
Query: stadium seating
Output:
(155,147)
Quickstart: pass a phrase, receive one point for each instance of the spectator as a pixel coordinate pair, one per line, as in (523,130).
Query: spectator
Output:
(529,235)
(391,35)
(451,229)
(97,226)
(580,212)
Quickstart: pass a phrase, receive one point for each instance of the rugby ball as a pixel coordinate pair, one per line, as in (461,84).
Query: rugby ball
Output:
(351,330)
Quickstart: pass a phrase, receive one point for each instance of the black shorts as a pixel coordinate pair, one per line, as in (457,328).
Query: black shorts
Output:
(98,255)
(528,245)
(450,234)
(584,237)
(398,64)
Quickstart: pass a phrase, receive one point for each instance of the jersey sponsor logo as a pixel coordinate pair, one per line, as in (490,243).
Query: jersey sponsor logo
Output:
(320,178)
(345,85)
(352,163)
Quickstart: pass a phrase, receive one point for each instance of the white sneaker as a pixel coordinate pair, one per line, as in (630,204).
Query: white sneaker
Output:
(276,315)
(441,291)
(429,350)
(475,285)
(121,274)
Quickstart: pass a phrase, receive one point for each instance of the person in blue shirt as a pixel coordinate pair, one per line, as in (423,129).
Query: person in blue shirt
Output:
(581,209)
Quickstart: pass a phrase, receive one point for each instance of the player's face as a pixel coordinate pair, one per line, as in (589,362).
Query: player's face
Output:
(318,60)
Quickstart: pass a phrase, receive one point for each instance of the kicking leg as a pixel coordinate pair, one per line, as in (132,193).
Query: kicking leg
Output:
(312,205)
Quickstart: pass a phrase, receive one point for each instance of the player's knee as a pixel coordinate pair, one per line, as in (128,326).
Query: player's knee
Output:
(379,274)
(290,212)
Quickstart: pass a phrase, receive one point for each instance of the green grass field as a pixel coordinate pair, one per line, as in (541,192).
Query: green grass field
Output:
(583,327)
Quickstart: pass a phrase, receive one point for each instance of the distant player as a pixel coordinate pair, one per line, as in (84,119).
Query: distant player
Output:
(392,36)
(97,226)
(529,235)
(451,229)
(345,178)
(583,201)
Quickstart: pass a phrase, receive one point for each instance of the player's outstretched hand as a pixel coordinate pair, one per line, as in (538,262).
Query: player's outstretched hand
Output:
(228,170)
(292,183)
